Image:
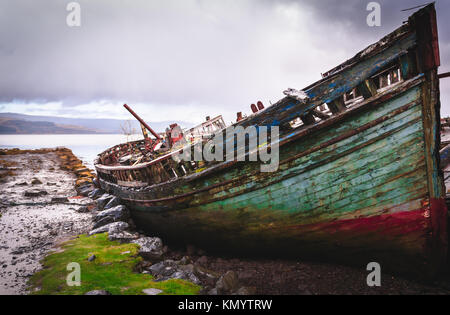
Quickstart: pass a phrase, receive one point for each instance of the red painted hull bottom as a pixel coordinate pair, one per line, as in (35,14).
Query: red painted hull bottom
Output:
(411,243)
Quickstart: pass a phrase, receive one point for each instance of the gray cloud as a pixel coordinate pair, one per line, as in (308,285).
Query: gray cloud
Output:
(191,56)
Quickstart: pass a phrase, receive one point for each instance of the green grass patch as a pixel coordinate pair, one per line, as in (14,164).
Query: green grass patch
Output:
(112,270)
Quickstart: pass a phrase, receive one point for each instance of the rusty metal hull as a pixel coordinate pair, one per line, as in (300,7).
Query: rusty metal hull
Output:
(363,185)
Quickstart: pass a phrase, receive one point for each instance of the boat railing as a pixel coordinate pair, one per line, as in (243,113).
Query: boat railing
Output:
(160,169)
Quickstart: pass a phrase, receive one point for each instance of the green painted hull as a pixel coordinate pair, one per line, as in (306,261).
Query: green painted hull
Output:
(361,186)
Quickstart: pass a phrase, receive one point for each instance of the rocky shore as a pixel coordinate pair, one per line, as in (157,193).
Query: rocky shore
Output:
(48,197)
(242,276)
(38,207)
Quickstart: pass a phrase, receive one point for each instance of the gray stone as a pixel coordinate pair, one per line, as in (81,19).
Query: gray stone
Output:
(98,292)
(228,283)
(112,203)
(59,199)
(96,193)
(123,237)
(36,181)
(150,248)
(185,275)
(103,200)
(85,190)
(152,291)
(82,209)
(111,228)
(117,213)
(203,272)
(35,193)
(102,222)
(163,268)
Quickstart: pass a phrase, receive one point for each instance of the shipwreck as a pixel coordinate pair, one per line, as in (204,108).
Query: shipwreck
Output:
(359,178)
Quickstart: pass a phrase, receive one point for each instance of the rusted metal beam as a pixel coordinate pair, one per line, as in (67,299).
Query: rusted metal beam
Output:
(142,121)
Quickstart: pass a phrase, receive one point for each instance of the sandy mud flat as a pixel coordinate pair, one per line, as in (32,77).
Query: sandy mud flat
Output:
(38,207)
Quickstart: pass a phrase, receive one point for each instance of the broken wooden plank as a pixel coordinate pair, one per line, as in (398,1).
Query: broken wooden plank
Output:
(337,105)
(319,114)
(367,88)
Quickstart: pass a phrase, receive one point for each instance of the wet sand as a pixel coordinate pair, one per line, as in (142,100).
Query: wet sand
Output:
(31,226)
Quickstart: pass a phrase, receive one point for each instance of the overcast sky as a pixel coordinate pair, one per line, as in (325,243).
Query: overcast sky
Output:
(182,59)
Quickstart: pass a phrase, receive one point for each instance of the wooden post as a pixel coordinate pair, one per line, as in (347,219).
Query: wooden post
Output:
(367,88)
(338,105)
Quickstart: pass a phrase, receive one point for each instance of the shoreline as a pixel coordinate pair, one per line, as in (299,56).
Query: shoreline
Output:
(38,211)
(67,211)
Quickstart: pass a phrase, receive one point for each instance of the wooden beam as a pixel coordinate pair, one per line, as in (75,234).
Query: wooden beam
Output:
(319,114)
(308,119)
(367,88)
(337,105)
(408,66)
(444,75)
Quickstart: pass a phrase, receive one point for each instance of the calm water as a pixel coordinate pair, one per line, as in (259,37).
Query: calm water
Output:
(86,147)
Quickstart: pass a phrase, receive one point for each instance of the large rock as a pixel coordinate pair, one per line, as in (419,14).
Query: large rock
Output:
(164,268)
(85,190)
(150,248)
(96,193)
(117,213)
(169,269)
(112,203)
(103,200)
(111,228)
(185,275)
(102,222)
(123,237)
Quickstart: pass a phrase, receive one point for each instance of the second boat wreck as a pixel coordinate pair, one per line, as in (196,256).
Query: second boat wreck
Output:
(358,177)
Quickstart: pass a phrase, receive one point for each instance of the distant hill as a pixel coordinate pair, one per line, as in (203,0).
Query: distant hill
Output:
(19,126)
(12,123)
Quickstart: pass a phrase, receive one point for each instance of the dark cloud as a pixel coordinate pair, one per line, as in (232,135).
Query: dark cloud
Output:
(212,55)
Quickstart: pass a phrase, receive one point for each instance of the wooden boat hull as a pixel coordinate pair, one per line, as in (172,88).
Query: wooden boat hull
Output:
(355,193)
(362,186)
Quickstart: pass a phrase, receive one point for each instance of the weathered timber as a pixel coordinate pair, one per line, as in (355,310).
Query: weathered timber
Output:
(367,88)
(361,183)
